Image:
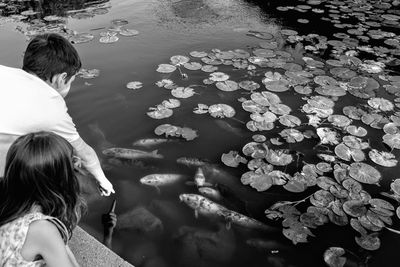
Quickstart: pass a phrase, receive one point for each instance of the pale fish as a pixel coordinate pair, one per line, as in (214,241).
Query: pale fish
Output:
(210,193)
(192,162)
(205,206)
(127,153)
(199,179)
(148,142)
(159,179)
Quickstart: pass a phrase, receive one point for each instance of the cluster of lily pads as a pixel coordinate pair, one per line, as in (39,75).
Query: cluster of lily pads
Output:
(359,23)
(36,24)
(346,158)
(176,131)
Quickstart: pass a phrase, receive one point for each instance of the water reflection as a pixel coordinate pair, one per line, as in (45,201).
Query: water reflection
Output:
(39,9)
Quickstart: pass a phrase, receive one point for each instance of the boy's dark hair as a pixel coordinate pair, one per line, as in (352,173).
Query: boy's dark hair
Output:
(50,54)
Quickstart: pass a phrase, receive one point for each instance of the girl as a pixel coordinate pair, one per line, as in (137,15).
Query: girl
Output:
(40,202)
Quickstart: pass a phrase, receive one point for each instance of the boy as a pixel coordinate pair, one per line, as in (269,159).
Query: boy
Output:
(32,99)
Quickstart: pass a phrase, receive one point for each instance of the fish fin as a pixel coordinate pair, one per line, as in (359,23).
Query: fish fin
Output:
(228,225)
(158,190)
(189,183)
(154,152)
(196,214)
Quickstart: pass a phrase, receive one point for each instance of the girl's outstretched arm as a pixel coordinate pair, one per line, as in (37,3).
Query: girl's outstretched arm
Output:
(44,239)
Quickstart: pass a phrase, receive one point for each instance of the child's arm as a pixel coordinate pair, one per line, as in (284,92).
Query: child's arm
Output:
(91,163)
(44,239)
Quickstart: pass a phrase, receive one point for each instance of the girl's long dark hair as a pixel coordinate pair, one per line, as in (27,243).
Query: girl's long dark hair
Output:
(39,170)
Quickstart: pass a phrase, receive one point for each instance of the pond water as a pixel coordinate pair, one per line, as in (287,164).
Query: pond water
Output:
(161,230)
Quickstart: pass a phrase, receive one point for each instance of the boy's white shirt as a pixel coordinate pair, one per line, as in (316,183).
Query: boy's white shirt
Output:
(28,104)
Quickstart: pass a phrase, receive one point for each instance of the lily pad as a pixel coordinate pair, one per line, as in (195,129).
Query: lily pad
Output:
(264,117)
(227,86)
(355,208)
(232,159)
(166,68)
(369,242)
(278,157)
(192,65)
(200,109)
(160,112)
(218,77)
(198,54)
(128,32)
(328,136)
(356,131)
(249,85)
(179,60)
(292,135)
(346,153)
(383,158)
(392,140)
(182,92)
(259,181)
(381,104)
(364,173)
(289,120)
(134,85)
(333,257)
(171,103)
(221,111)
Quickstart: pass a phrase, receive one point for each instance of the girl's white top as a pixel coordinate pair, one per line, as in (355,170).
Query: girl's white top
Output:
(13,235)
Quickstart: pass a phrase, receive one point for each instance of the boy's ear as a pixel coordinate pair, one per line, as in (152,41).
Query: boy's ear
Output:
(58,80)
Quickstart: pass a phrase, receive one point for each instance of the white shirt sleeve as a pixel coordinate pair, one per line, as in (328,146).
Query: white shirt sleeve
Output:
(57,120)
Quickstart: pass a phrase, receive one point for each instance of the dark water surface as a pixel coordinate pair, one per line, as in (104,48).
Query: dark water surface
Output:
(108,114)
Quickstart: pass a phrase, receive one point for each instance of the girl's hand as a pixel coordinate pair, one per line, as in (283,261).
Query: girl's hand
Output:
(106,188)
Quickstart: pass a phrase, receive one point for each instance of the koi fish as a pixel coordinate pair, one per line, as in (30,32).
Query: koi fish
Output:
(210,193)
(205,206)
(127,153)
(148,142)
(192,162)
(160,179)
(199,179)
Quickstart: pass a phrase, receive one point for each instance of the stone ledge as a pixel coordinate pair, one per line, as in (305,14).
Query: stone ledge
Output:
(89,252)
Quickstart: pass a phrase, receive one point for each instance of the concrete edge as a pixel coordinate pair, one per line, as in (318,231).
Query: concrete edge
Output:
(89,252)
